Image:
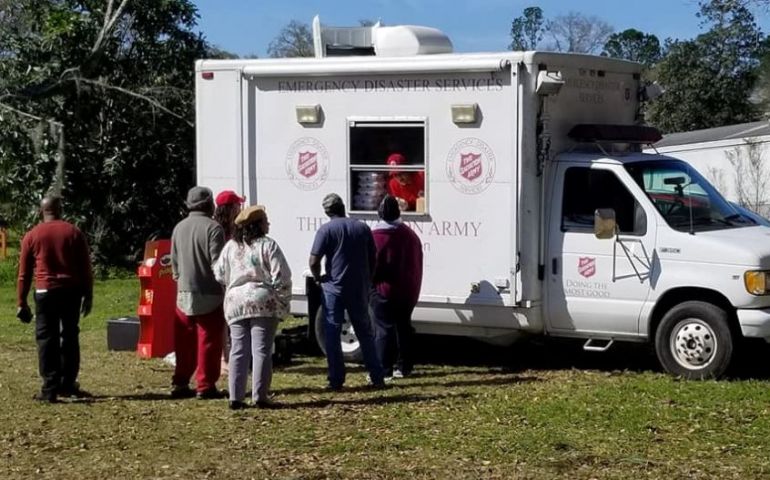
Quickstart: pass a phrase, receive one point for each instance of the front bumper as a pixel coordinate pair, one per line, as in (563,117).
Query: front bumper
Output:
(755,323)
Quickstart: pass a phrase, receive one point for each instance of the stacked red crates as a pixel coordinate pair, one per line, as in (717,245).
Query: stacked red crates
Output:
(157,301)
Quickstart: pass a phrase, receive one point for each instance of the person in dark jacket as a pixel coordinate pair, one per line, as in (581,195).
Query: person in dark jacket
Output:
(396,287)
(55,254)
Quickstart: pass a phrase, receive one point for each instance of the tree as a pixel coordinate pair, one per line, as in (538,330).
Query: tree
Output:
(751,175)
(708,81)
(527,30)
(575,32)
(294,40)
(633,45)
(96,101)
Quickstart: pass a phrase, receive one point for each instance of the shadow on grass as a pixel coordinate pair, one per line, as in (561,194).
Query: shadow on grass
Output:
(379,400)
(490,381)
(131,397)
(553,354)
(314,370)
(497,380)
(301,367)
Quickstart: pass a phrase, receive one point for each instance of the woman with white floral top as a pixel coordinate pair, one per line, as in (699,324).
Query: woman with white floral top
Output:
(257,279)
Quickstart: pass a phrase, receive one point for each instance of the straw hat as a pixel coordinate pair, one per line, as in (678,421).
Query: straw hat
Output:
(251,214)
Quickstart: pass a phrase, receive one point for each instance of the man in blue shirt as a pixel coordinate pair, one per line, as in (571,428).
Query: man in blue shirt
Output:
(349,249)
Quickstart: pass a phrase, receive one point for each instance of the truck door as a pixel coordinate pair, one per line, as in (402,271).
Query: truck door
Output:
(597,285)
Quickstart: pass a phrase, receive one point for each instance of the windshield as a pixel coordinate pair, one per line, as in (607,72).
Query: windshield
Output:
(686,200)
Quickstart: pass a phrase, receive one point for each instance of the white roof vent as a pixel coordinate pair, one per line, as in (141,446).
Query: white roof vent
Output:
(396,41)
(405,40)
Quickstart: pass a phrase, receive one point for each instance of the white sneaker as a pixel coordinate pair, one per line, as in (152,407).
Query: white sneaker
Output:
(385,379)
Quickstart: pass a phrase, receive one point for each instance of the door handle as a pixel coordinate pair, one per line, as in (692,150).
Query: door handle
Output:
(555,265)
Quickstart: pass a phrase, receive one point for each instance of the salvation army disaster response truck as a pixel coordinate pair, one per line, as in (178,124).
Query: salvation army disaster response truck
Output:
(537,213)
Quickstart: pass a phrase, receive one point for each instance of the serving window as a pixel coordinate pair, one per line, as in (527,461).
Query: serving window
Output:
(387,157)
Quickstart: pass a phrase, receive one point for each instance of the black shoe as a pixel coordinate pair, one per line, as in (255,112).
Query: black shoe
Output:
(179,392)
(236,405)
(45,398)
(333,388)
(211,394)
(74,391)
(268,405)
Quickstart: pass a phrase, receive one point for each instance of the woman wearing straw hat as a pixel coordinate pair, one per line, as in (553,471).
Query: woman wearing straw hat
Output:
(258,289)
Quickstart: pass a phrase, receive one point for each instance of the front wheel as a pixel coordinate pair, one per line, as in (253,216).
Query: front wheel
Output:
(351,348)
(694,341)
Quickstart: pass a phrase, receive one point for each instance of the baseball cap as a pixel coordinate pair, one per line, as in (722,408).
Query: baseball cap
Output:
(393,160)
(227,197)
(396,159)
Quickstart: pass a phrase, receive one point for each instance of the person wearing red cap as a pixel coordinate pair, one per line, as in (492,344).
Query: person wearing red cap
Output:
(228,206)
(407,187)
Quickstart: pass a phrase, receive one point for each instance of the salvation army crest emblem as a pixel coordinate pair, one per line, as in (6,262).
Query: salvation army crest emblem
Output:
(307,163)
(587,266)
(470,166)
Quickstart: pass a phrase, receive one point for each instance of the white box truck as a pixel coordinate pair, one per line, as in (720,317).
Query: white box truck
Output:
(536,215)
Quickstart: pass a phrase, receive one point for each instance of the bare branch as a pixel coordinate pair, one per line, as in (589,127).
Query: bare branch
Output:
(109,22)
(131,93)
(5,106)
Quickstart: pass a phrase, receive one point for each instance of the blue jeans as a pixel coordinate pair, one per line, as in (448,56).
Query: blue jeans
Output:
(357,306)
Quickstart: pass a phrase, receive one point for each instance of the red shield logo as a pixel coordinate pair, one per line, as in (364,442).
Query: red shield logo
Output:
(470,166)
(587,266)
(307,164)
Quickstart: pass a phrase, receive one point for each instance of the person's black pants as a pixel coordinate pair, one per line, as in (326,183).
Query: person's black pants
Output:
(57,314)
(393,333)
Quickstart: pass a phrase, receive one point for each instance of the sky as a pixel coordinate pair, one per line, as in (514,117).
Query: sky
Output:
(246,27)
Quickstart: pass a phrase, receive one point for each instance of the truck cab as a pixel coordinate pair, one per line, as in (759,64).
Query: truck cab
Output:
(642,247)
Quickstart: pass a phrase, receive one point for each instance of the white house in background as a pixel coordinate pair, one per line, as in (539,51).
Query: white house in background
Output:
(735,158)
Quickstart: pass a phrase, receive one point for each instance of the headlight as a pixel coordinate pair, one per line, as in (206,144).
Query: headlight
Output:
(757,282)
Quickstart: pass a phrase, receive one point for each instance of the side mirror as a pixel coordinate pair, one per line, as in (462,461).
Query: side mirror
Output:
(604,223)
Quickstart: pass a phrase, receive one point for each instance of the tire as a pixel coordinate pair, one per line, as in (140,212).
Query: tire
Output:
(694,341)
(351,349)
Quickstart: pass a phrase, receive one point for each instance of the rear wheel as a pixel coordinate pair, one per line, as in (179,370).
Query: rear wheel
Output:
(351,348)
(694,341)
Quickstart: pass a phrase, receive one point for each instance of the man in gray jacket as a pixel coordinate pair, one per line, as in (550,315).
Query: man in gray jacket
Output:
(199,321)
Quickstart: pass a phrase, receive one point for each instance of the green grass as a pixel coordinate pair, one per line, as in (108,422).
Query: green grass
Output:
(472,418)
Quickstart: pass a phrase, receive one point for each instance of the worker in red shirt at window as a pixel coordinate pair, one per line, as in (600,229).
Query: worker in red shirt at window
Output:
(407,187)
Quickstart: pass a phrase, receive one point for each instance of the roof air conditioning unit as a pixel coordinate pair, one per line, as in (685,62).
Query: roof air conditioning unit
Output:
(396,41)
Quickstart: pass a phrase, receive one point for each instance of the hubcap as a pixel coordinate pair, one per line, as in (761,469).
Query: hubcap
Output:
(693,343)
(348,337)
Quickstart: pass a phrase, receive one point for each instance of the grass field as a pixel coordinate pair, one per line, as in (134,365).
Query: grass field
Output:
(471,412)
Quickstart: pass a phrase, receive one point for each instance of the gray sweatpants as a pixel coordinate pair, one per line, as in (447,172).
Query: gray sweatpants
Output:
(251,339)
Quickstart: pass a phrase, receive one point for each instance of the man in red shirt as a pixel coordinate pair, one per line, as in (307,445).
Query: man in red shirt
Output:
(397,281)
(57,252)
